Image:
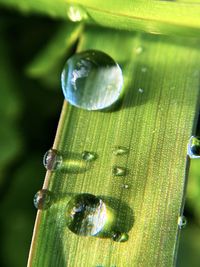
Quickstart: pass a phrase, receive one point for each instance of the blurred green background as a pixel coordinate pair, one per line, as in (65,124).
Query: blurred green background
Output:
(30,105)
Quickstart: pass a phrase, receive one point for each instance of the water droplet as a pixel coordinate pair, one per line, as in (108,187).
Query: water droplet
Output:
(91,80)
(194,147)
(139,50)
(182,222)
(119,171)
(42,199)
(120,150)
(86,215)
(140,90)
(76,13)
(52,160)
(125,186)
(119,237)
(88,156)
(143,69)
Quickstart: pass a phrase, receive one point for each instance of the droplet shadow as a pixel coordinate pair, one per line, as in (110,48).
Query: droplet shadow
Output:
(74,163)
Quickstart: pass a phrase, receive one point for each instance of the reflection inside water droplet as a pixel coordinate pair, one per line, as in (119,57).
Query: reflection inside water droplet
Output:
(76,13)
(87,215)
(91,80)
(88,156)
(42,199)
(194,147)
(119,171)
(52,160)
(182,222)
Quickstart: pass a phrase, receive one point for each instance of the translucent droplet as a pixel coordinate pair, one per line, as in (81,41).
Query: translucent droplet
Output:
(119,171)
(91,80)
(125,186)
(194,147)
(86,215)
(88,156)
(140,90)
(52,160)
(120,150)
(42,199)
(76,13)
(119,237)
(182,222)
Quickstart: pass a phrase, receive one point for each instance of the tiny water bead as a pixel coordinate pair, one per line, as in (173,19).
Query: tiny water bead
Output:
(182,222)
(141,91)
(86,214)
(91,80)
(52,160)
(119,237)
(125,186)
(194,147)
(88,156)
(119,171)
(120,150)
(76,13)
(42,199)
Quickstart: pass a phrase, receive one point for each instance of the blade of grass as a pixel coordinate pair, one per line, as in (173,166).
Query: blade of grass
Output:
(155,124)
(168,17)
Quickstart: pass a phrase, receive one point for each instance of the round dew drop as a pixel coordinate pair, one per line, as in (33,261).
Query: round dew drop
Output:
(52,160)
(42,199)
(182,222)
(86,215)
(91,80)
(88,156)
(194,147)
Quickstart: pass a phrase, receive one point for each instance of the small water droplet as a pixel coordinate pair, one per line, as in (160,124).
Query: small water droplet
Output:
(91,80)
(194,147)
(139,50)
(52,160)
(143,69)
(182,222)
(120,150)
(140,90)
(119,171)
(76,13)
(119,237)
(86,215)
(42,199)
(88,156)
(125,186)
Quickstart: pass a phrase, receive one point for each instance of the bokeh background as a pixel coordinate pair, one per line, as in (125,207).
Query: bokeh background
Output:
(30,105)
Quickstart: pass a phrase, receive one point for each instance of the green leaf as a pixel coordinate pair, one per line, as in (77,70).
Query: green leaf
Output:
(48,63)
(174,17)
(154,122)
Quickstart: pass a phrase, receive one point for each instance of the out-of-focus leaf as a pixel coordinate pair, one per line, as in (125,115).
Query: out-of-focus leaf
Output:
(47,64)
(188,255)
(17,211)
(152,16)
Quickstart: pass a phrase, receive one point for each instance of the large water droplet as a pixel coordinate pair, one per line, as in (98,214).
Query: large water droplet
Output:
(91,80)
(120,150)
(42,199)
(182,222)
(52,160)
(194,147)
(88,156)
(119,171)
(86,215)
(76,13)
(119,237)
